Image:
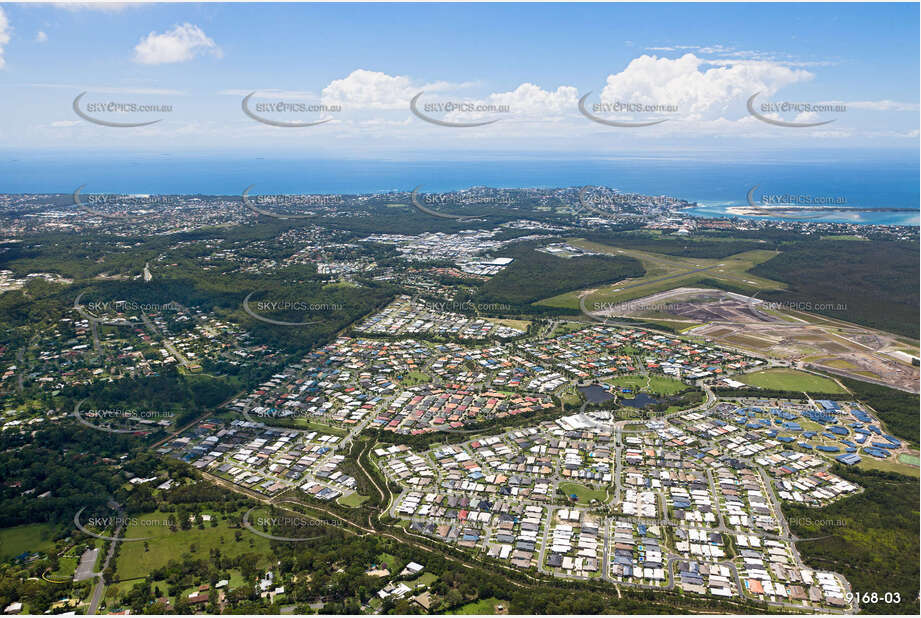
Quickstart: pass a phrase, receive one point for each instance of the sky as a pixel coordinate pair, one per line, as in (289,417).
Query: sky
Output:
(522,68)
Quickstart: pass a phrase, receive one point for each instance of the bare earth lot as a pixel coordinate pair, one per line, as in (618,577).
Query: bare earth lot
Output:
(795,336)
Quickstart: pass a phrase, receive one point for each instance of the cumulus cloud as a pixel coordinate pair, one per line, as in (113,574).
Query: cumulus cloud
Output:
(710,96)
(371,89)
(180,44)
(377,90)
(700,90)
(40,36)
(364,89)
(528,98)
(5,30)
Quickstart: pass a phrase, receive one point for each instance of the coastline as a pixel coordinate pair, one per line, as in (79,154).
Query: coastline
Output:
(904,217)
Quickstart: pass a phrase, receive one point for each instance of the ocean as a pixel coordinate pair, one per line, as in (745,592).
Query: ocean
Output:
(715,184)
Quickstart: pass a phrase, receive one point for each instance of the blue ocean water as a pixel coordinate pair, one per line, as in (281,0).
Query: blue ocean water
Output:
(714,183)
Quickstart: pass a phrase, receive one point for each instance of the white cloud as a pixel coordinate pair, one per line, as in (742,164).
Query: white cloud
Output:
(376,90)
(443,85)
(40,36)
(180,44)
(804,117)
(4,35)
(698,91)
(528,98)
(370,89)
(710,98)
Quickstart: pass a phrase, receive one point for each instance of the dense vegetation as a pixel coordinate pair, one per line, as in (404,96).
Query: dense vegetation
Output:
(535,275)
(870,538)
(697,247)
(65,459)
(179,397)
(874,283)
(338,305)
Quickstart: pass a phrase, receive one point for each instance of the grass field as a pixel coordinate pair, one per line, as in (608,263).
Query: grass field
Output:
(392,562)
(791,380)
(843,237)
(569,396)
(483,607)
(585,494)
(731,270)
(654,385)
(426,579)
(889,465)
(519,324)
(911,460)
(113,592)
(19,539)
(839,363)
(353,500)
(564,328)
(165,545)
(67,565)
(412,378)
(302,423)
(676,325)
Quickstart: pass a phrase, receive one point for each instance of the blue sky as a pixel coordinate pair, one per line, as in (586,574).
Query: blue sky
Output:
(697,64)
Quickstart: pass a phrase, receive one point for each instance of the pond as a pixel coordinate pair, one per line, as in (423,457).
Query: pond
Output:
(595,393)
(640,401)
